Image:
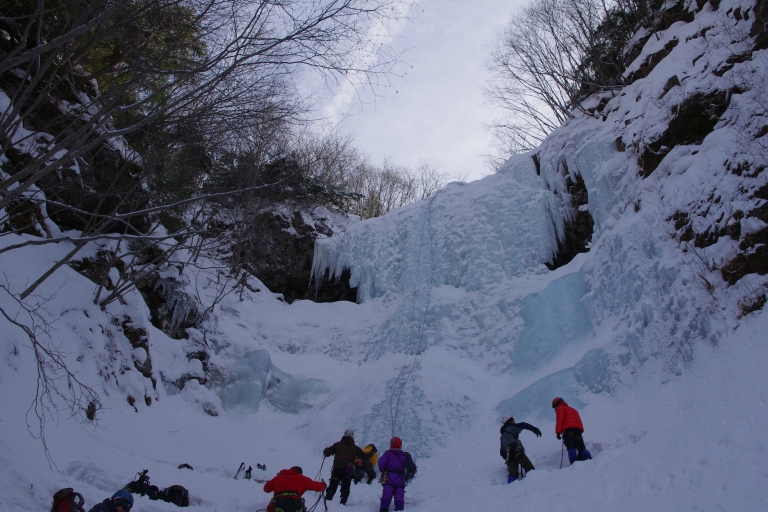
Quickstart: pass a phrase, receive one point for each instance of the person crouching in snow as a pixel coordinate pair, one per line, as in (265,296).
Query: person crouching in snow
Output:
(512,450)
(365,467)
(569,426)
(121,501)
(289,485)
(397,468)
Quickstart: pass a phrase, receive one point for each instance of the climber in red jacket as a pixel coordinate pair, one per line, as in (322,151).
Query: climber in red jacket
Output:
(288,486)
(569,426)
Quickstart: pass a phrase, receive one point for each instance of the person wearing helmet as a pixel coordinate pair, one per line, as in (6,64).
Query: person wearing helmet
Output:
(568,425)
(512,450)
(397,468)
(289,485)
(121,501)
(344,454)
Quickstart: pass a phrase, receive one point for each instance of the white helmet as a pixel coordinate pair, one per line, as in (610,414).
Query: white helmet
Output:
(505,419)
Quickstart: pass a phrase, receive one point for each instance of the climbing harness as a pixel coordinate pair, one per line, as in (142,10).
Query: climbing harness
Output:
(394,413)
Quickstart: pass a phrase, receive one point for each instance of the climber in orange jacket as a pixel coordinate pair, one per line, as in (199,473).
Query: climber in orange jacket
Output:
(569,426)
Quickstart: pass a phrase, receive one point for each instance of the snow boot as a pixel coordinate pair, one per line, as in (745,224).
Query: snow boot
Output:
(511,479)
(573,455)
(343,500)
(585,455)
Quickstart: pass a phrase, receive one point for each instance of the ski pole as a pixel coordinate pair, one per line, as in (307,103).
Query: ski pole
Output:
(242,466)
(562,449)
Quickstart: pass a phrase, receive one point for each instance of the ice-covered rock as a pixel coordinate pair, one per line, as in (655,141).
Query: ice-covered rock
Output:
(243,384)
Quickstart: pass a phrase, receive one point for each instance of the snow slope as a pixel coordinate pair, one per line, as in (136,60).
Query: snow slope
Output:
(459,322)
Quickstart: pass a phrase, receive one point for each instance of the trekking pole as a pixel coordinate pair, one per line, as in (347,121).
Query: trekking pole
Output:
(562,449)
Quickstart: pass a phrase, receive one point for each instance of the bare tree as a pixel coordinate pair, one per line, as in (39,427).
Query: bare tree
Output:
(216,66)
(56,383)
(549,58)
(113,115)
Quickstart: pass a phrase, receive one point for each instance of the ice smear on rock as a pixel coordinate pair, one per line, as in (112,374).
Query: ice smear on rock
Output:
(553,319)
(254,377)
(533,404)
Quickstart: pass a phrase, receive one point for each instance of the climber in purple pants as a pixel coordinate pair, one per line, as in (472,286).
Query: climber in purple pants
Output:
(399,469)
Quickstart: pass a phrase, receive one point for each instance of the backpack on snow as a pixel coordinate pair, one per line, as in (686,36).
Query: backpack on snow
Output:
(142,487)
(409,469)
(176,494)
(67,500)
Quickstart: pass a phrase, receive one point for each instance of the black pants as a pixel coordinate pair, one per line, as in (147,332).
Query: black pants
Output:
(573,439)
(288,505)
(516,457)
(365,469)
(339,475)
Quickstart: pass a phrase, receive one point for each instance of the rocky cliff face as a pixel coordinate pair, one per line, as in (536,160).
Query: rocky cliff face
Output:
(279,246)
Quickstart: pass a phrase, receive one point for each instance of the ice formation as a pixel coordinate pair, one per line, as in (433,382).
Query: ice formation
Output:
(254,377)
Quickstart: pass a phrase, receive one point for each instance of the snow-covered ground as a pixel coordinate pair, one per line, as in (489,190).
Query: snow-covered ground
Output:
(459,323)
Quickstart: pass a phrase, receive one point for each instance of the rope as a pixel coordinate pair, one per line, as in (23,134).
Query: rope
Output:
(313,507)
(394,414)
(321,470)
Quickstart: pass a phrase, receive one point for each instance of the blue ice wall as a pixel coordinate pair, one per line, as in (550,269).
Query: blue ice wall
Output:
(554,319)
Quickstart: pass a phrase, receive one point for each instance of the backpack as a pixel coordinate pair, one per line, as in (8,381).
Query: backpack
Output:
(142,487)
(409,471)
(67,500)
(375,457)
(176,494)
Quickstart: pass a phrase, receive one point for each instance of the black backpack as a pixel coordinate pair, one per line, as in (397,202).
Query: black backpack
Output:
(142,487)
(409,471)
(176,494)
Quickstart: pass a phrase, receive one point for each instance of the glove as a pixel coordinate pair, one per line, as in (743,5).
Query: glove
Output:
(558,436)
(537,432)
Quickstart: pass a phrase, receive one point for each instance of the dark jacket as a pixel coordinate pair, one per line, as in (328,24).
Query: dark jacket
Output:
(510,434)
(104,506)
(345,452)
(291,480)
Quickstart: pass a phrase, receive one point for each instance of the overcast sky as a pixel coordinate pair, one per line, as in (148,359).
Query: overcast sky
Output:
(438,110)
